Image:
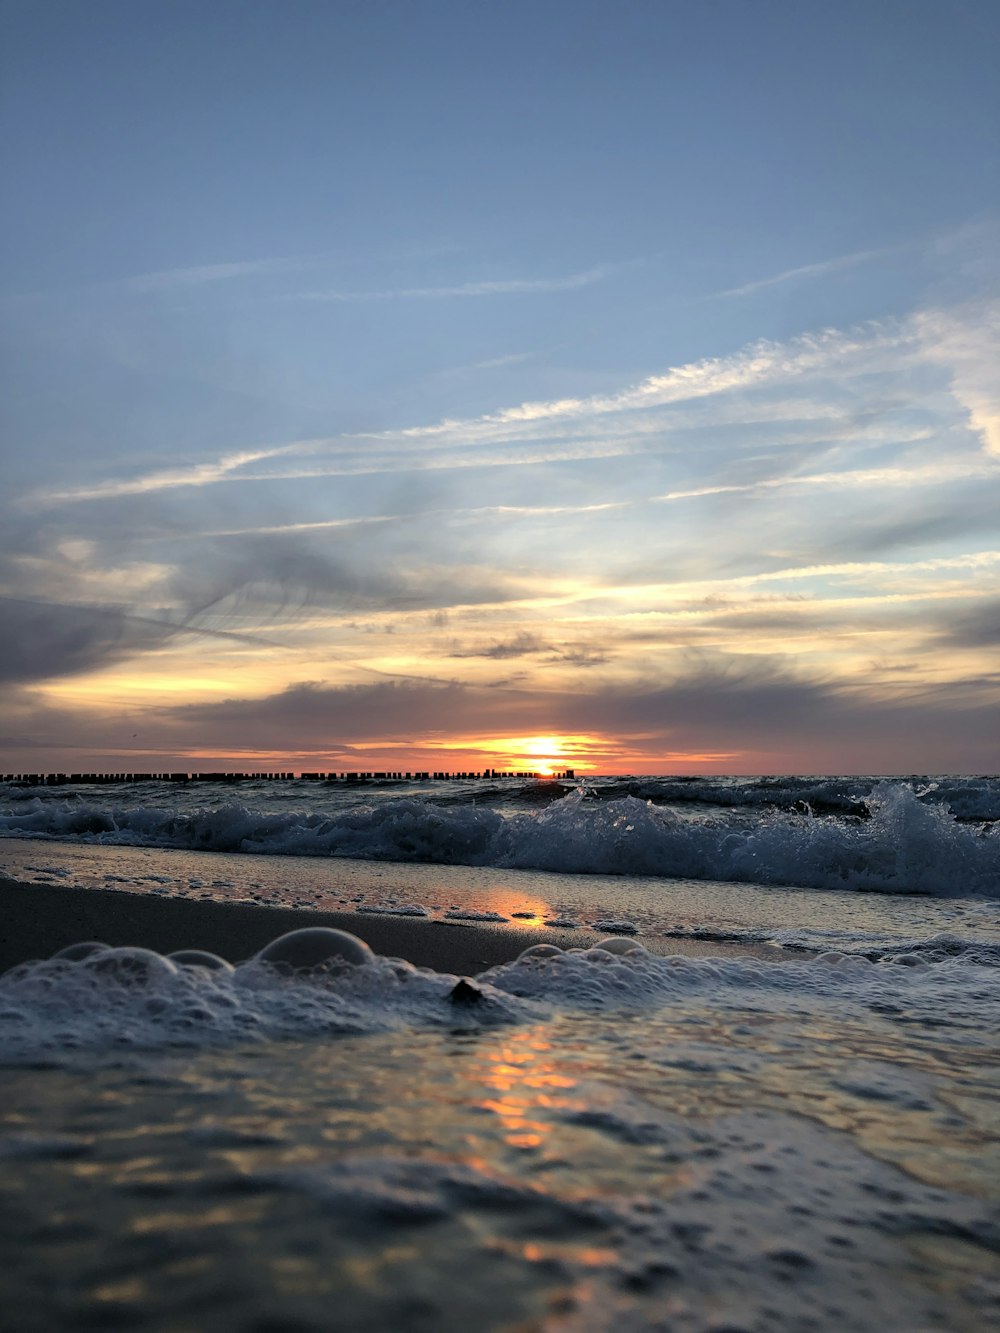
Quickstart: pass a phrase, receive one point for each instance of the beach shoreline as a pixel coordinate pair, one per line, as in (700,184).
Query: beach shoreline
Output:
(38,919)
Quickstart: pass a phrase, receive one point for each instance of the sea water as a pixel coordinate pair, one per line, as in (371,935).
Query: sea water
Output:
(597,1138)
(936,836)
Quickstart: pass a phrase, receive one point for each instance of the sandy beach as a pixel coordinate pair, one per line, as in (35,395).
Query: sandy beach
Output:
(36,920)
(40,919)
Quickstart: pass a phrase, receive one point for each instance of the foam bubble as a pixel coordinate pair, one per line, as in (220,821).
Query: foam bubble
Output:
(130,966)
(200,958)
(75,953)
(314,946)
(620,946)
(540,951)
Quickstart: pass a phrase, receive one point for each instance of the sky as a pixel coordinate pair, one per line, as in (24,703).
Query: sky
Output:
(432,385)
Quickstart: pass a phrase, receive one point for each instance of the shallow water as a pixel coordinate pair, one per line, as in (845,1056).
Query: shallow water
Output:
(484,1179)
(602,1142)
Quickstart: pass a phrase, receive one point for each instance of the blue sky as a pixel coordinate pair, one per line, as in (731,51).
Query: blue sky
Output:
(389,385)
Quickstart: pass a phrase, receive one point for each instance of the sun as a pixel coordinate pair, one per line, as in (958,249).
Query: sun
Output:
(544,747)
(549,756)
(548,750)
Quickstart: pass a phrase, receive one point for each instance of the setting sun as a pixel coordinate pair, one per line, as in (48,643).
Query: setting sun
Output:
(548,750)
(545,747)
(544,755)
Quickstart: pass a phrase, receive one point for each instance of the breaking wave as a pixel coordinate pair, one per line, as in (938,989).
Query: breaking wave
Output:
(901,843)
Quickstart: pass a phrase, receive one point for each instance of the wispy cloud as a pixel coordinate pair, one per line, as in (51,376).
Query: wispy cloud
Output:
(846,569)
(166,280)
(498,362)
(501,287)
(967,341)
(761,363)
(165,479)
(320,525)
(930,474)
(199,274)
(602,426)
(45,639)
(470,511)
(805,271)
(522,644)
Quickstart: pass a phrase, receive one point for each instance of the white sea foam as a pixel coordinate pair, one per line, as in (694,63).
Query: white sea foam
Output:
(864,944)
(135,998)
(132,998)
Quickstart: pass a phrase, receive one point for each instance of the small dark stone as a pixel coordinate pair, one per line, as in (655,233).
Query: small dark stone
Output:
(463,992)
(790,1258)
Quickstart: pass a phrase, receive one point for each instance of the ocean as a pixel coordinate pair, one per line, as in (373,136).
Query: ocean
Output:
(797,1130)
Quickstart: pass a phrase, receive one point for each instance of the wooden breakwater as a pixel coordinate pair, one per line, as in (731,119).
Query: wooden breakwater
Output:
(363,776)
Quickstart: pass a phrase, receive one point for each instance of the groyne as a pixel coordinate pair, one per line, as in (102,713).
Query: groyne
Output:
(358,777)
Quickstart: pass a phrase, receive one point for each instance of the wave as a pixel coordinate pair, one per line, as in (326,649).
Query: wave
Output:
(970,799)
(902,844)
(967,798)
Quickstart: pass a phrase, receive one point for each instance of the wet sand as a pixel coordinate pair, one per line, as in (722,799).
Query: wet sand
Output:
(36,920)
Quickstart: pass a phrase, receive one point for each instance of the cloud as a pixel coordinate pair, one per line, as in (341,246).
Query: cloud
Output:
(580,656)
(760,704)
(498,362)
(715,703)
(757,711)
(522,644)
(584,421)
(165,479)
(959,516)
(314,713)
(877,510)
(48,640)
(499,287)
(44,640)
(755,366)
(861,569)
(163,280)
(285,578)
(928,474)
(471,511)
(978,628)
(966,340)
(198,275)
(819,270)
